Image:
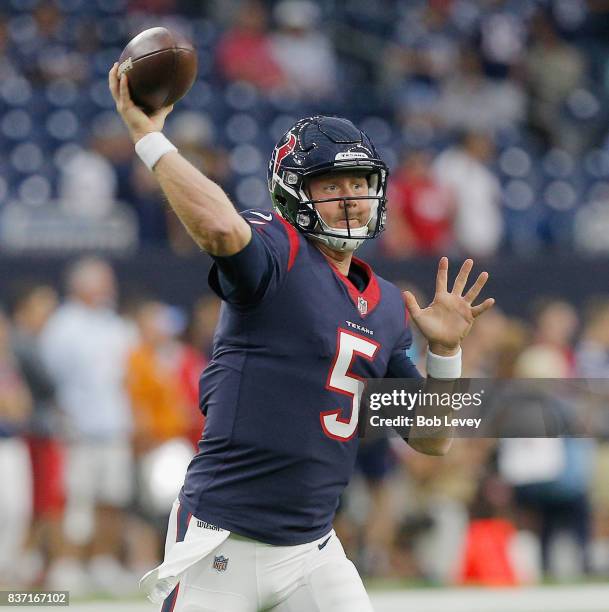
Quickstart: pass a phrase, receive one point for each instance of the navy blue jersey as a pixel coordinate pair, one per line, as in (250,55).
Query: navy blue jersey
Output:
(294,341)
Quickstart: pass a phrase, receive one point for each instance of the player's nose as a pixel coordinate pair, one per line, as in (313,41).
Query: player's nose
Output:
(346,202)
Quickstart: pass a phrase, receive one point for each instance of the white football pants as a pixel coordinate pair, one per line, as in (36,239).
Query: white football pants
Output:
(243,575)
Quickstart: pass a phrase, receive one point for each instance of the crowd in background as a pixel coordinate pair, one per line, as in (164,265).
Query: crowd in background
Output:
(99,418)
(490,113)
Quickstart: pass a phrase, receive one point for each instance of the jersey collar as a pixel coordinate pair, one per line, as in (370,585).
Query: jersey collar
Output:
(367,300)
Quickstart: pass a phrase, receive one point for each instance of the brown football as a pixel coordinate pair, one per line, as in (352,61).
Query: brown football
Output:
(161,66)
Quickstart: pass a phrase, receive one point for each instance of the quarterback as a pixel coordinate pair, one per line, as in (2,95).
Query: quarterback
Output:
(303,321)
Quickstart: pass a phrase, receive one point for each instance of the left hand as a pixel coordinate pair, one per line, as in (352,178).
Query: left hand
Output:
(450,316)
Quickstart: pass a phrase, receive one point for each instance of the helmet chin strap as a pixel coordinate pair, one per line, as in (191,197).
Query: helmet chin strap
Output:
(343,245)
(352,236)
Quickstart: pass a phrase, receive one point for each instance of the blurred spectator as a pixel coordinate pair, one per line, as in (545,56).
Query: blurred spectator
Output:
(501,39)
(153,215)
(45,54)
(488,558)
(88,185)
(92,179)
(515,338)
(156,7)
(554,69)
(592,359)
(471,101)
(482,348)
(164,417)
(369,535)
(464,169)
(592,356)
(421,210)
(8,66)
(85,345)
(555,324)
(426,46)
(376,462)
(551,476)
(304,52)
(31,306)
(434,500)
(202,324)
(15,468)
(160,407)
(109,139)
(244,52)
(196,352)
(591,231)
(196,137)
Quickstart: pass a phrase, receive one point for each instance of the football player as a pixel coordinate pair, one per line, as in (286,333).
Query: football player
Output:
(303,321)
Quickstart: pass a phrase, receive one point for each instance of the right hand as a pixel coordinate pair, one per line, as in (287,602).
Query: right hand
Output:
(137,121)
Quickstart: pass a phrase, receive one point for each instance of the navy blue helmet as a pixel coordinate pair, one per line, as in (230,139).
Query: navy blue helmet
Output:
(320,145)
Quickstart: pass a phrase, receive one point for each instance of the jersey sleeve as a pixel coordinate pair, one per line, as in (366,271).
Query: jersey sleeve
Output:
(400,365)
(247,277)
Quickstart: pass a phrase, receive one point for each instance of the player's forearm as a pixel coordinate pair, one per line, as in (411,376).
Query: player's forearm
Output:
(433,437)
(202,206)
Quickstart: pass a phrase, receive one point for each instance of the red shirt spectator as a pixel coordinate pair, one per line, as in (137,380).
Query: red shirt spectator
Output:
(244,52)
(420,210)
(190,365)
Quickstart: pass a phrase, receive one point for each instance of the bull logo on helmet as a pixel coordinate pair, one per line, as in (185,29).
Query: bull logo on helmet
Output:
(283,151)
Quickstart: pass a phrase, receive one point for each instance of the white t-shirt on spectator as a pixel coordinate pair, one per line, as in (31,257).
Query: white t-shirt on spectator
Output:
(308,61)
(86,351)
(478,223)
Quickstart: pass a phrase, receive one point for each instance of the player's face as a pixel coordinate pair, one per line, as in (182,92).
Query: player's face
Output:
(340,213)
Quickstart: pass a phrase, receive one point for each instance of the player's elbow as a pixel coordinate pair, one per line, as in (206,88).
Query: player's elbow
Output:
(223,239)
(437,447)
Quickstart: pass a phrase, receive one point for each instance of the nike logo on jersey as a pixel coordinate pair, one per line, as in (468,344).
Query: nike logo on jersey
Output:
(268,217)
(320,546)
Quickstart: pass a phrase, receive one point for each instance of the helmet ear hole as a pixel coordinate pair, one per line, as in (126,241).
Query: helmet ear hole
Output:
(306,219)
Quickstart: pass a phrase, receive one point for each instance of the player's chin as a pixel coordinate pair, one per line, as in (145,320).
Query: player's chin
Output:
(352,224)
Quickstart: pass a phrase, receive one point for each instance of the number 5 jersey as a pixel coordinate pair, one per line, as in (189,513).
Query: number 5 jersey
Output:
(295,340)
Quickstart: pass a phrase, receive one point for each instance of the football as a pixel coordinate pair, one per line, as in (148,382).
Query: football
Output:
(161,66)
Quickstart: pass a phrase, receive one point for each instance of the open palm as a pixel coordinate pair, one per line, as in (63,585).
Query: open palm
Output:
(450,316)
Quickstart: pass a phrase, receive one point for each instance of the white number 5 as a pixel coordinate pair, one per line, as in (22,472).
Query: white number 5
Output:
(347,383)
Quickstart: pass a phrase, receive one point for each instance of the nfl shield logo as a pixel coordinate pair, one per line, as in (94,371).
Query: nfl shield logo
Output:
(220,563)
(362,305)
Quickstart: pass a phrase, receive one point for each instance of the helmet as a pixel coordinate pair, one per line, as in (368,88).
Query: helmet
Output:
(321,145)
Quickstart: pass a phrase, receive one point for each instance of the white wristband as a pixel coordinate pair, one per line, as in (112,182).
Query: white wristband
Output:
(447,368)
(152,147)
